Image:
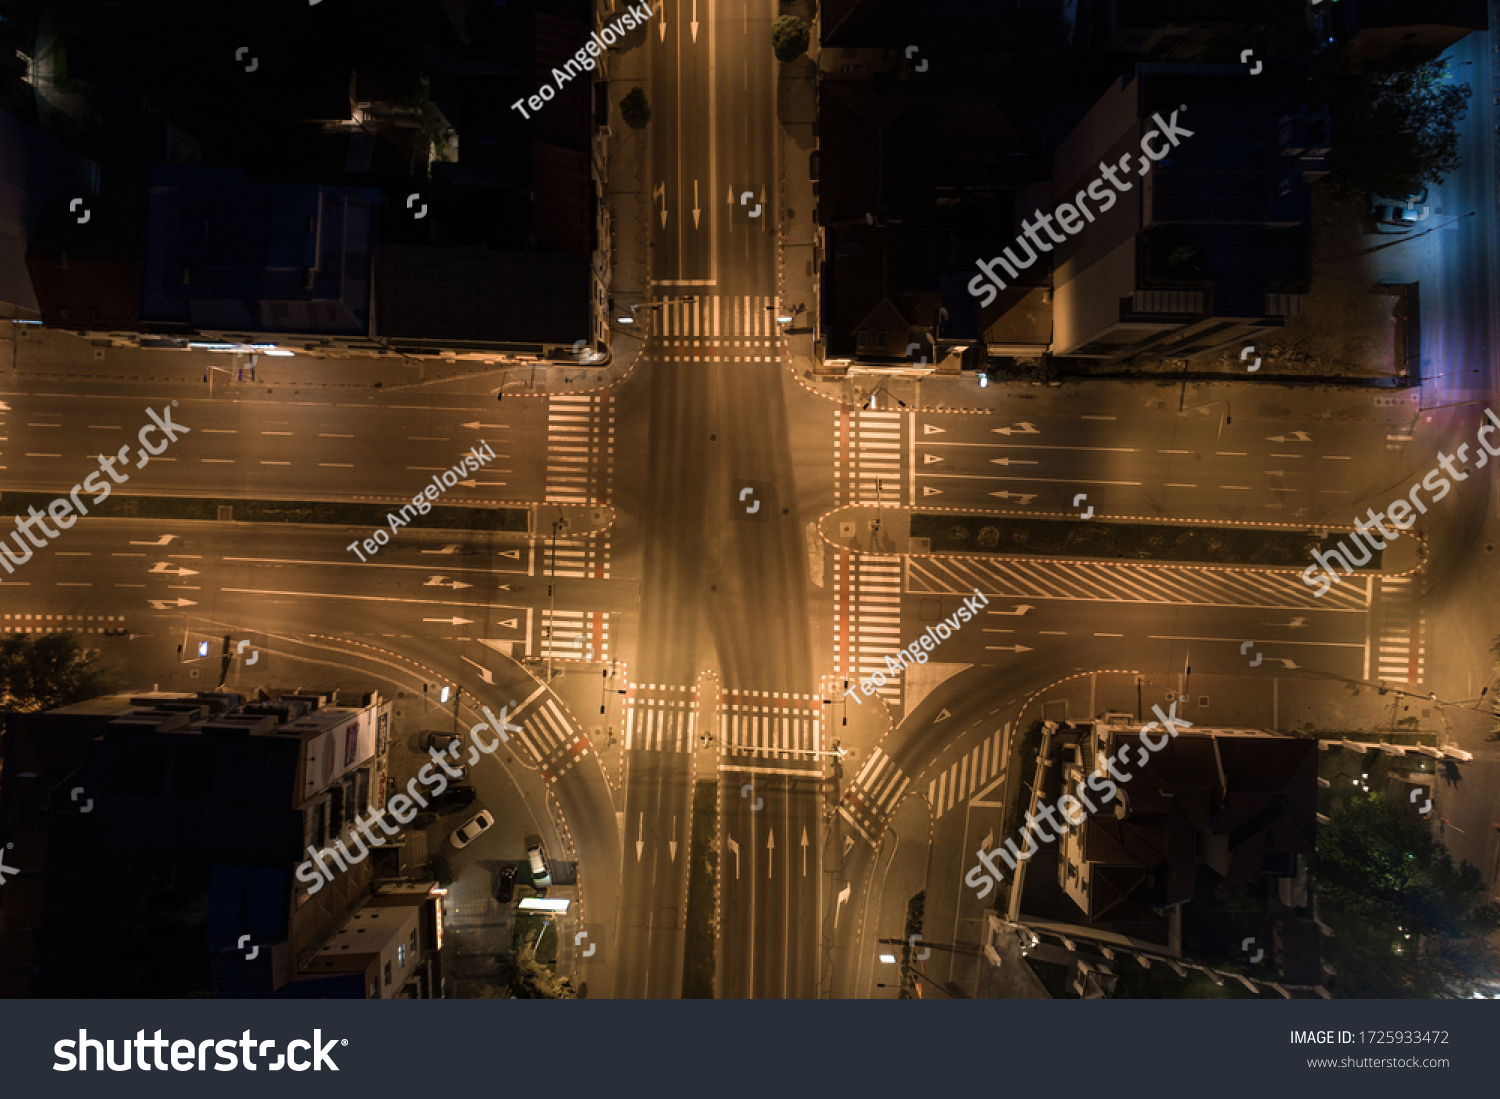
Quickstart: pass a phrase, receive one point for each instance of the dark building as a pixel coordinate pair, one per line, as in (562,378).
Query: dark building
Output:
(1241,802)
(1211,244)
(157,838)
(915,159)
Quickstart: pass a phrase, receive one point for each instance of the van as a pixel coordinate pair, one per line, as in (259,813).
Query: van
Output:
(537,854)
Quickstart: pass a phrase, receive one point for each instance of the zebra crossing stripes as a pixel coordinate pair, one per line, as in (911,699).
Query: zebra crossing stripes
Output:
(867,623)
(580,446)
(1400,646)
(660,724)
(545,730)
(713,315)
(874,795)
(52,623)
(771,725)
(576,558)
(957,784)
(575,635)
(867,465)
(1097,581)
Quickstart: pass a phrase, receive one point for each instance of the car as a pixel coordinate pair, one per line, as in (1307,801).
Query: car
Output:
(440,741)
(1400,216)
(537,855)
(455,797)
(505,884)
(471,829)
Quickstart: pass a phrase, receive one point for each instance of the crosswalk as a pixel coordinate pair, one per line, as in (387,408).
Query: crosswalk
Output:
(956,785)
(545,730)
(749,315)
(55,623)
(874,795)
(574,635)
(576,558)
(770,725)
(660,718)
(867,618)
(1400,643)
(580,447)
(867,464)
(1108,582)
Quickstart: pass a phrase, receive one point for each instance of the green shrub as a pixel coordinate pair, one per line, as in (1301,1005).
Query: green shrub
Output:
(634,109)
(790,37)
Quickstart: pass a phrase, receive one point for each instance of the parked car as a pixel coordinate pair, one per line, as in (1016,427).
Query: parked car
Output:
(505,884)
(1400,216)
(455,797)
(472,829)
(440,741)
(537,855)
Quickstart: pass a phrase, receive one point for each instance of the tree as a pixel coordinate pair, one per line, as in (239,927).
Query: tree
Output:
(634,109)
(41,671)
(529,979)
(1406,921)
(790,37)
(1393,130)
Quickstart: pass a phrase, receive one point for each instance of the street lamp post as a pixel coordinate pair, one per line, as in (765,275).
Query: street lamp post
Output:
(620,318)
(1224,420)
(208,376)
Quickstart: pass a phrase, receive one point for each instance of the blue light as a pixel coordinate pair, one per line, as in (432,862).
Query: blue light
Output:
(203,648)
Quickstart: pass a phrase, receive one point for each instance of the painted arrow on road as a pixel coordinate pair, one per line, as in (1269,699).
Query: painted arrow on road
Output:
(770,851)
(444,582)
(1010,648)
(929,459)
(1013,462)
(804,850)
(162,541)
(1021,608)
(1019,429)
(487,675)
(640,832)
(1294,437)
(168,604)
(1019,497)
(928,429)
(672,843)
(843,896)
(476,425)
(450,621)
(163,568)
(446,549)
(735,848)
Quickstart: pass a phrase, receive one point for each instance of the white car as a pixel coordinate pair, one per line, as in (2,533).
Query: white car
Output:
(471,829)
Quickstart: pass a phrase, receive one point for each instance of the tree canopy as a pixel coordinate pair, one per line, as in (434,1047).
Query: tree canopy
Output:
(1393,130)
(1406,921)
(790,37)
(634,109)
(40,671)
